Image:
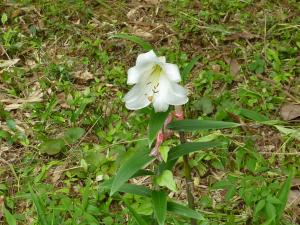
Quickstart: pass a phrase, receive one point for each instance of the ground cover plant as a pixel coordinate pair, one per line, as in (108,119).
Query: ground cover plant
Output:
(72,153)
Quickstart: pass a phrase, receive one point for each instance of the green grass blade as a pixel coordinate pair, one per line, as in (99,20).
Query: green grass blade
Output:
(10,219)
(192,125)
(134,163)
(187,148)
(184,211)
(38,206)
(284,193)
(145,45)
(159,200)
(186,71)
(156,123)
(139,219)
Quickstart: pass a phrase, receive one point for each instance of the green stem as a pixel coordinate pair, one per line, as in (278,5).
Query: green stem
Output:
(188,179)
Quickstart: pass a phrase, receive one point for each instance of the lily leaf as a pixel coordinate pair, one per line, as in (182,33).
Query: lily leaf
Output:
(187,148)
(145,45)
(135,162)
(159,200)
(192,125)
(184,211)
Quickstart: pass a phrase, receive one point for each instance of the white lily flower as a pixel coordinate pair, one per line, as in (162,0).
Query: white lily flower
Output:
(155,81)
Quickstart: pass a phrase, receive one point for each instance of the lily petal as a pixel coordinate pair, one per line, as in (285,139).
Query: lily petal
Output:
(172,72)
(138,73)
(136,98)
(145,58)
(177,95)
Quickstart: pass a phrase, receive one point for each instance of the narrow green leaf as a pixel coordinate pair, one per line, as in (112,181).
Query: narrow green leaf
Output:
(139,219)
(73,134)
(142,172)
(192,125)
(10,219)
(166,165)
(145,45)
(284,193)
(188,68)
(155,124)
(187,148)
(135,162)
(126,188)
(159,200)
(250,114)
(136,190)
(39,209)
(183,211)
(52,146)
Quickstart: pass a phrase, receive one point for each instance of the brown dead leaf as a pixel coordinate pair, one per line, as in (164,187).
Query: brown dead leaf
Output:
(241,35)
(83,76)
(290,111)
(293,198)
(132,14)
(144,34)
(15,103)
(216,68)
(153,2)
(8,63)
(57,174)
(234,65)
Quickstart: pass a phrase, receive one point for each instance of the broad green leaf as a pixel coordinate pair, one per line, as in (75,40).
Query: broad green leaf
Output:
(183,211)
(156,123)
(145,45)
(73,134)
(52,146)
(205,105)
(187,148)
(283,194)
(10,219)
(135,162)
(4,18)
(39,209)
(273,200)
(259,206)
(253,115)
(164,150)
(166,180)
(139,219)
(270,211)
(159,200)
(188,68)
(192,125)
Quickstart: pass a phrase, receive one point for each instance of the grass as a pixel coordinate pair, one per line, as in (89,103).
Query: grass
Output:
(70,75)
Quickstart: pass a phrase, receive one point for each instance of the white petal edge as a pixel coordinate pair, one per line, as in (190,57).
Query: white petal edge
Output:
(137,73)
(177,95)
(172,72)
(147,57)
